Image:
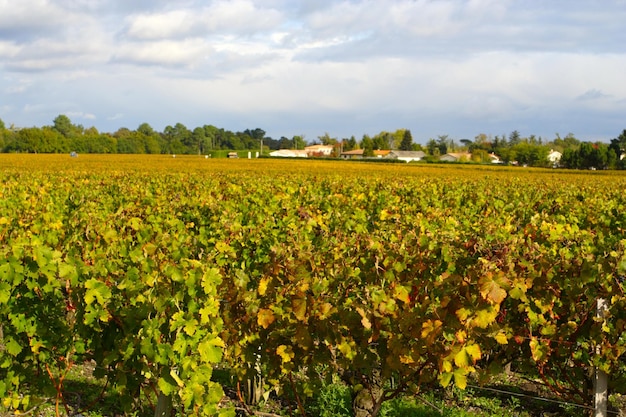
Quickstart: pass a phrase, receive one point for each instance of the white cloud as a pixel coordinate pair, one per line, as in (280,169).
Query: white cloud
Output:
(238,16)
(183,53)
(8,49)
(337,65)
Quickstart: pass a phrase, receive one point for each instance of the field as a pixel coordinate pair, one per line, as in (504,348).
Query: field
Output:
(176,281)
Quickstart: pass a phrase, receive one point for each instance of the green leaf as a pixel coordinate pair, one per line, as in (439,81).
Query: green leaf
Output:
(165,387)
(96,290)
(12,347)
(445,378)
(5,292)
(211,350)
(211,280)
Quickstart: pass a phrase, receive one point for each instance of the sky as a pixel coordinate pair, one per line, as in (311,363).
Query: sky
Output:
(309,67)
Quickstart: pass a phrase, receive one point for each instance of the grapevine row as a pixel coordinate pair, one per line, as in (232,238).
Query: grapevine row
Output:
(393,273)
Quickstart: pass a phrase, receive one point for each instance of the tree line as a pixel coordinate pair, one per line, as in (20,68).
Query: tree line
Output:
(64,136)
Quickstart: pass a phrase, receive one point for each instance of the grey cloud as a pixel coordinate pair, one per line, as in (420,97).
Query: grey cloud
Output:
(592,94)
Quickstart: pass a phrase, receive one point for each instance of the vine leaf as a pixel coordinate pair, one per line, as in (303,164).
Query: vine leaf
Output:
(492,287)
(299,308)
(265,318)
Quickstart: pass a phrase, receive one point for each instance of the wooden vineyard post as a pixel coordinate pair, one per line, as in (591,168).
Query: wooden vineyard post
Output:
(601,380)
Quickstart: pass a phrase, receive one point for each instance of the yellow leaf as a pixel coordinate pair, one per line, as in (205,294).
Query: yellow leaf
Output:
(460,378)
(446,366)
(550,329)
(406,359)
(263,285)
(285,353)
(501,338)
(486,316)
(346,349)
(265,318)
(491,288)
(461,359)
(365,321)
(324,310)
(430,329)
(402,294)
(538,350)
(461,335)
(463,314)
(179,381)
(298,306)
(473,351)
(445,378)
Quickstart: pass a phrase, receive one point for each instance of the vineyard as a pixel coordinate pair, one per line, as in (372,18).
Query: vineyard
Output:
(160,271)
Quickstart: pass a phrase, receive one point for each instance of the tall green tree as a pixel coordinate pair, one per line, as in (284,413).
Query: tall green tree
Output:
(299,142)
(432,147)
(3,135)
(367,144)
(327,140)
(514,138)
(407,141)
(443,143)
(64,126)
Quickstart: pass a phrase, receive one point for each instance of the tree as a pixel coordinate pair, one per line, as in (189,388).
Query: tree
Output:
(178,139)
(482,141)
(442,144)
(432,147)
(146,129)
(299,142)
(64,126)
(327,140)
(468,144)
(367,144)
(619,145)
(514,138)
(350,144)
(3,135)
(199,137)
(407,141)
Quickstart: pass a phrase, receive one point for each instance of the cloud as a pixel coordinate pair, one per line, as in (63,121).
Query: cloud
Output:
(169,53)
(80,115)
(435,66)
(592,94)
(221,17)
(29,19)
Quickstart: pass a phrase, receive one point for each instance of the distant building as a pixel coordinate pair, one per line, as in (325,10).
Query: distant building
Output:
(407,156)
(319,150)
(554,157)
(381,153)
(456,157)
(495,159)
(355,154)
(290,153)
